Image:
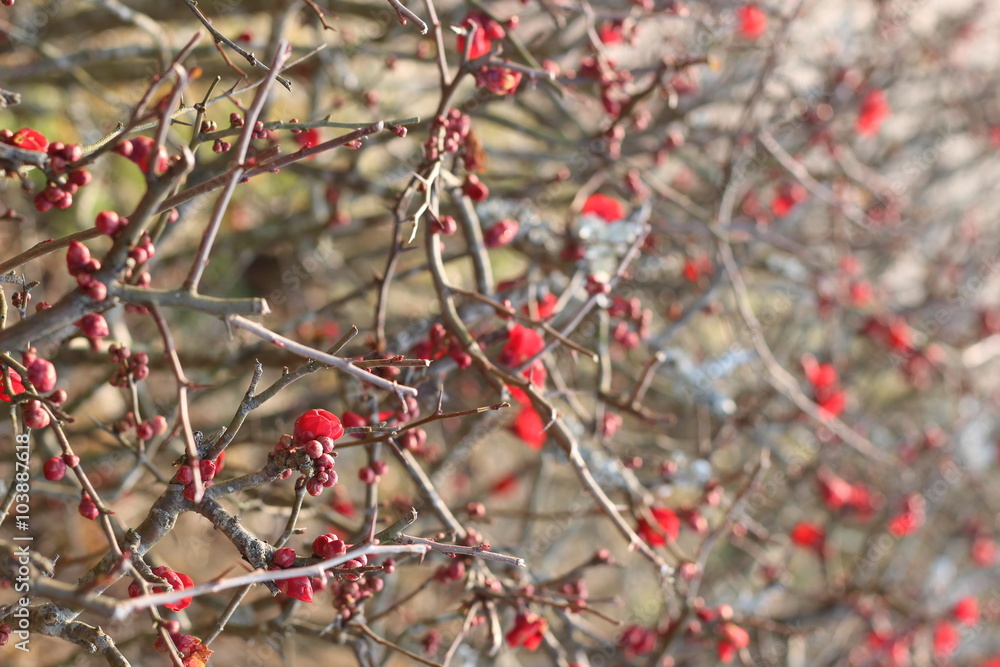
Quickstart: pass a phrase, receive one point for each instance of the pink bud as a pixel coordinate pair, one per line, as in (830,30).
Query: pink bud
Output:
(55,469)
(108,222)
(501,234)
(76,257)
(42,374)
(284,557)
(88,509)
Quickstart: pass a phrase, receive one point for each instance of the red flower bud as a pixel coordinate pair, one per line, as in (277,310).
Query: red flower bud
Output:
(185,474)
(284,557)
(474,189)
(77,257)
(108,222)
(42,374)
(88,509)
(30,140)
(55,469)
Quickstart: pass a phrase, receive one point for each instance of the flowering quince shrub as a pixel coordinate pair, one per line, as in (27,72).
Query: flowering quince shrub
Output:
(626,334)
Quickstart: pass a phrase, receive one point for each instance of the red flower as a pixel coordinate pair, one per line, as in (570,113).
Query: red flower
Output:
(822,376)
(546,306)
(603,206)
(787,198)
(899,335)
(753,21)
(966,611)
(178,580)
(809,536)
(836,492)
(307,138)
(831,402)
(522,344)
(735,635)
(905,523)
(30,140)
(15,381)
(536,375)
(945,639)
(342,505)
(610,32)
(725,651)
(487,30)
(505,485)
(669,525)
(315,423)
(499,80)
(874,110)
(529,427)
(528,631)
(696,267)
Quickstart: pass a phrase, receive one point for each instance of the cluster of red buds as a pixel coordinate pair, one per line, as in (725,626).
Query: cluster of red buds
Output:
(447,134)
(207,469)
(612,81)
(144,430)
(440,343)
(827,393)
(83,267)
(371,474)
(177,580)
(633,321)
(348,594)
(143,250)
(236,120)
(140,149)
(315,432)
(135,366)
(57,193)
(259,132)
